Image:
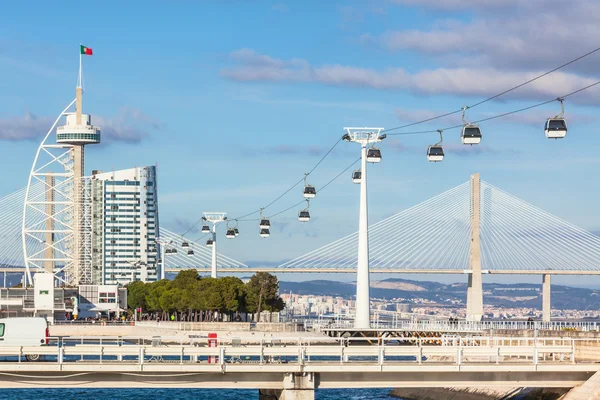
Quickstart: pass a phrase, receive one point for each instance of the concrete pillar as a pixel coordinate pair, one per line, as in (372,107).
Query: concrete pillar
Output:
(475,285)
(363,295)
(546,309)
(295,387)
(49,236)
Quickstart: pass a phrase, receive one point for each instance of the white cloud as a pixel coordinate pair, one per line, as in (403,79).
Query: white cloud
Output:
(516,34)
(483,82)
(131,125)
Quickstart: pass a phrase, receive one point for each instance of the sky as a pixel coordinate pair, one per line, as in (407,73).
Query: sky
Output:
(235,100)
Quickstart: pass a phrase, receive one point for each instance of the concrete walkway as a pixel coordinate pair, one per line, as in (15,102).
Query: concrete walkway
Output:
(590,390)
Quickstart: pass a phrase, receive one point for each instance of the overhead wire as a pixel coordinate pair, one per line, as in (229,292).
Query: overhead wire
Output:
(499,115)
(496,95)
(241,218)
(303,201)
(293,186)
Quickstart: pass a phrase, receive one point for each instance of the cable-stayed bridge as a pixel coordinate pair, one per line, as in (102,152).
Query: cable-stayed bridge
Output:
(430,237)
(433,237)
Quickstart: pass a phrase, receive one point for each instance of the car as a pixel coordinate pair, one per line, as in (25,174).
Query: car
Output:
(24,331)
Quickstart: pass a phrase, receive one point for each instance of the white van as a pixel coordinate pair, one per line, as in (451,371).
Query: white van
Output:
(26,331)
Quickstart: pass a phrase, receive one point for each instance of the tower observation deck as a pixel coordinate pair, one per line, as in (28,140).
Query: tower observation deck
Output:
(57,224)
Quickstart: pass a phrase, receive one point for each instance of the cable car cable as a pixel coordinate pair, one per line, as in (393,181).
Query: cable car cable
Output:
(323,187)
(496,95)
(294,185)
(500,115)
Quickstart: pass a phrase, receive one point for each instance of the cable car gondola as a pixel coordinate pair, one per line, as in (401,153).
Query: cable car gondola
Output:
(304,215)
(309,191)
(373,155)
(236,231)
(205,228)
(264,223)
(556,127)
(435,152)
(209,243)
(190,252)
(471,133)
(185,244)
(173,251)
(356,176)
(230,234)
(265,233)
(168,251)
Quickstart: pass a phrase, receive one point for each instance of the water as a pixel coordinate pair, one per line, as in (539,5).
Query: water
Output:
(180,394)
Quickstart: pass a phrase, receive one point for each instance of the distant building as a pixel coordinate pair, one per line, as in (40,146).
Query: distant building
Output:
(125,226)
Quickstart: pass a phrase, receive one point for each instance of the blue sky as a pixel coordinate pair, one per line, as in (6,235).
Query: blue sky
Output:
(235,100)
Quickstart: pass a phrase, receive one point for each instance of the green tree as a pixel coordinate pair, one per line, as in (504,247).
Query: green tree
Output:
(233,292)
(262,292)
(155,291)
(186,279)
(137,292)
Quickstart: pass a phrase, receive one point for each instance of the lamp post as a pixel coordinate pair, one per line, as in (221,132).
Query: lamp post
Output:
(364,137)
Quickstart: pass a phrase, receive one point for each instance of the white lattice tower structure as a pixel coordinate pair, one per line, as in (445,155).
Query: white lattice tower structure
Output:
(64,207)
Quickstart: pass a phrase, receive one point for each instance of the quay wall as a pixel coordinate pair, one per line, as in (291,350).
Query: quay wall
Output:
(479,394)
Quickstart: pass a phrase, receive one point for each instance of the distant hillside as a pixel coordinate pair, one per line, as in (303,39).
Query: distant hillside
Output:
(503,295)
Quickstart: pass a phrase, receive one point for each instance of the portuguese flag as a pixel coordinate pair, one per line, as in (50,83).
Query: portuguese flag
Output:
(86,50)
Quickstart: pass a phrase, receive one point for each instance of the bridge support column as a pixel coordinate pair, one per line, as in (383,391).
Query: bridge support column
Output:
(475,285)
(295,387)
(546,308)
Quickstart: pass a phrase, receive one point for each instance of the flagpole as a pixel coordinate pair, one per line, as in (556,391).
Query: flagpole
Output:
(80,83)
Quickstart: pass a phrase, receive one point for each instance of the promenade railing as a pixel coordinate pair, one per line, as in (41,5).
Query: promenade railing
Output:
(450,350)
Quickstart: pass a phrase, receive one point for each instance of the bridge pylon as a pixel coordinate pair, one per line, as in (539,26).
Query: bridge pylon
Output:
(475,285)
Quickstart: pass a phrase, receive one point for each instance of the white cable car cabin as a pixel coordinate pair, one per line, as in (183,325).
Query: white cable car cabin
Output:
(205,229)
(185,244)
(309,192)
(304,216)
(236,231)
(265,223)
(265,233)
(173,251)
(190,252)
(556,128)
(471,134)
(230,234)
(209,243)
(356,176)
(373,155)
(435,153)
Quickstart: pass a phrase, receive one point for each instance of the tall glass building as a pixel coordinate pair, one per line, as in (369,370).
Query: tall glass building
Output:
(124,226)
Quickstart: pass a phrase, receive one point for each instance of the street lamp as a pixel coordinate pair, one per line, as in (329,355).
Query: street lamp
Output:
(364,137)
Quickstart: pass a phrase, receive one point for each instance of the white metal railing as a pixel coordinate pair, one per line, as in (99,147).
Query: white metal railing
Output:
(448,350)
(457,326)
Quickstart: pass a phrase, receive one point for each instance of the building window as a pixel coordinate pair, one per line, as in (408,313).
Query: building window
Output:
(107,297)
